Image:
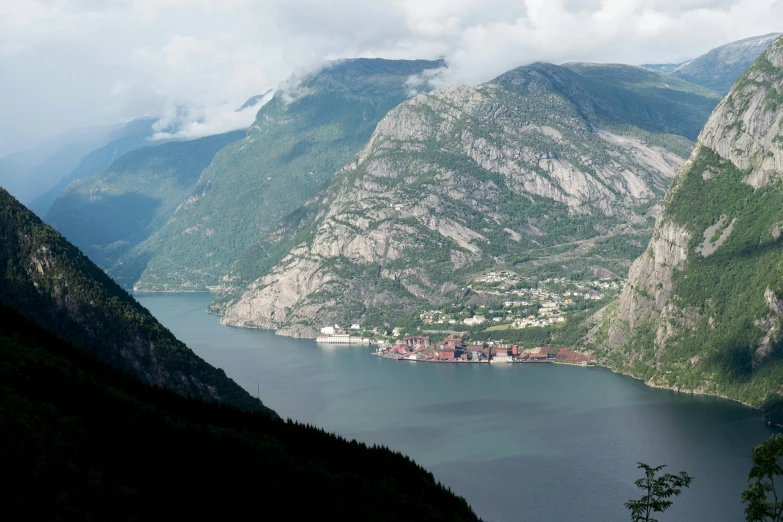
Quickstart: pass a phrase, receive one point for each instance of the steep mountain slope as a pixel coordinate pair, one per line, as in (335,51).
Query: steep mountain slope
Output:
(30,173)
(107,214)
(720,68)
(525,171)
(703,306)
(132,136)
(308,130)
(624,94)
(48,280)
(80,440)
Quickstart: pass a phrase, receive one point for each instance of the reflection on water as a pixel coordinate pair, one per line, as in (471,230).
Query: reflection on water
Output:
(522,442)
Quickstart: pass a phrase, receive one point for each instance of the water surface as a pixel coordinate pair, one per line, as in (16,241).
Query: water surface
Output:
(519,442)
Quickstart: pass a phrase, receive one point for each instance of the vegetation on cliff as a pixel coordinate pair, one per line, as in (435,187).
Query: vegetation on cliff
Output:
(703,307)
(50,281)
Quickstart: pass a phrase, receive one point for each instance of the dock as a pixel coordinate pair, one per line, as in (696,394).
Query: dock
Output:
(341,339)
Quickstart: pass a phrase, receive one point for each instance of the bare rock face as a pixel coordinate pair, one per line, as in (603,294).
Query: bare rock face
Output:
(646,295)
(461,177)
(702,309)
(755,109)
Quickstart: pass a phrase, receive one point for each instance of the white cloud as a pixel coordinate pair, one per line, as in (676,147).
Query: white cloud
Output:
(191,122)
(68,63)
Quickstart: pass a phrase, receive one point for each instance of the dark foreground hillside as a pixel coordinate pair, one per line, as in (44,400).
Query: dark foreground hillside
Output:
(48,279)
(80,440)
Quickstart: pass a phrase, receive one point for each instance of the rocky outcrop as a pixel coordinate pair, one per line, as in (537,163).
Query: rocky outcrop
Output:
(701,310)
(456,180)
(755,109)
(646,295)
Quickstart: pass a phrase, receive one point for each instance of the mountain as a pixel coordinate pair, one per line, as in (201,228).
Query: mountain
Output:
(80,440)
(311,127)
(720,68)
(703,306)
(254,100)
(48,280)
(665,68)
(656,103)
(108,214)
(131,136)
(28,174)
(546,170)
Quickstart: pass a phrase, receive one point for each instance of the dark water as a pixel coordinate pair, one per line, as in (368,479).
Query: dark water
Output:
(522,442)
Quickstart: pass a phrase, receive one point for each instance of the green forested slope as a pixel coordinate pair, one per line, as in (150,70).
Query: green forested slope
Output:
(311,128)
(50,281)
(80,440)
(654,102)
(107,214)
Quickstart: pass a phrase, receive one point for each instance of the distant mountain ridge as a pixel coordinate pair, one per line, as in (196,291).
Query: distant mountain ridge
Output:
(451,182)
(719,68)
(131,136)
(48,280)
(28,174)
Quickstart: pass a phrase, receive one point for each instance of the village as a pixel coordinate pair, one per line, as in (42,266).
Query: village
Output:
(510,302)
(514,301)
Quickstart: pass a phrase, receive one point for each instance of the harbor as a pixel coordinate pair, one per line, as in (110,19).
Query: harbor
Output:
(455,350)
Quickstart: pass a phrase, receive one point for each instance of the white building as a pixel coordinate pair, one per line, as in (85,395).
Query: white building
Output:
(500,359)
(328,330)
(478,319)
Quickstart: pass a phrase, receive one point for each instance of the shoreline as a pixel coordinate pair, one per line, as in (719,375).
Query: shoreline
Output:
(692,392)
(460,361)
(596,364)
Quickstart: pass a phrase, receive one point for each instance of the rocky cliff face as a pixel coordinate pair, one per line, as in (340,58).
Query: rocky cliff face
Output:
(701,308)
(523,169)
(48,280)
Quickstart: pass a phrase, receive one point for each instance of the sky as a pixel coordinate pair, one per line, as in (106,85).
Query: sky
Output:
(72,63)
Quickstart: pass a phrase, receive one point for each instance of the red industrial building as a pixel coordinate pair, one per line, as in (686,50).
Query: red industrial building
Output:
(447,355)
